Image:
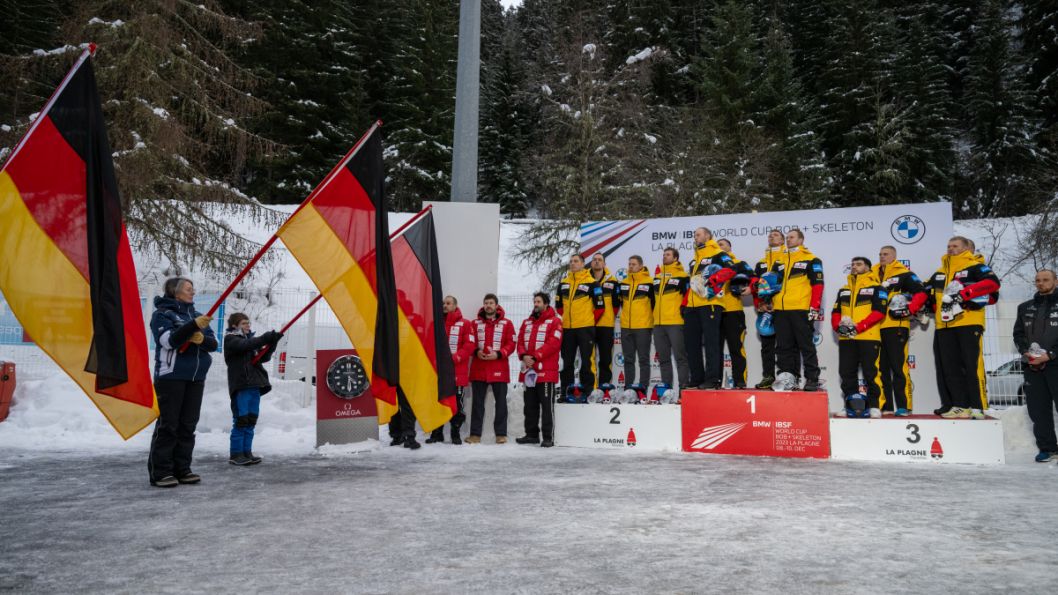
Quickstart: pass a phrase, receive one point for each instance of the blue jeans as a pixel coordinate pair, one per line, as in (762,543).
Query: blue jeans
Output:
(245,406)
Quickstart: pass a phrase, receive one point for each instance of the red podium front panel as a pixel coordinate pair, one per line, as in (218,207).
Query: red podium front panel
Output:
(753,422)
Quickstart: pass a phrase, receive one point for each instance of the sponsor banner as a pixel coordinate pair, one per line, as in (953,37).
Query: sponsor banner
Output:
(342,389)
(759,423)
(918,439)
(628,427)
(918,231)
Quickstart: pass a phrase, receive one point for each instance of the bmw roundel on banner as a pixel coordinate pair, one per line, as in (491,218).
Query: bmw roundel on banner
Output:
(908,229)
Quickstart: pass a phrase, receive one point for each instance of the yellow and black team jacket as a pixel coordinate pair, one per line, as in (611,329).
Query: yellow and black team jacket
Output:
(611,298)
(670,289)
(802,280)
(704,256)
(578,300)
(771,255)
(978,281)
(897,279)
(730,301)
(637,301)
(864,300)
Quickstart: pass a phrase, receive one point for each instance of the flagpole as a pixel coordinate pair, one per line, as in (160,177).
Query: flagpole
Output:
(264,247)
(392,237)
(87,53)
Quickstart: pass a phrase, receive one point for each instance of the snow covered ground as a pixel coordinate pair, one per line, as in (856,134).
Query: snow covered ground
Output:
(520,519)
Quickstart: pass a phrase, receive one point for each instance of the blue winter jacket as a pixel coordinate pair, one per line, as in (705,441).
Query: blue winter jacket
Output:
(172,324)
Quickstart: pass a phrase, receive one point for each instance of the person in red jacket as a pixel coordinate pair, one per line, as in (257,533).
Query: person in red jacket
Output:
(461,344)
(493,344)
(539,342)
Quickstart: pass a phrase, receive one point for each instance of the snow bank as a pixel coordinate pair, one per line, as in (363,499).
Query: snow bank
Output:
(54,415)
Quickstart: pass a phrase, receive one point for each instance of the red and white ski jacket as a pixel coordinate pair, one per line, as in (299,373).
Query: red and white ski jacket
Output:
(541,338)
(461,344)
(492,335)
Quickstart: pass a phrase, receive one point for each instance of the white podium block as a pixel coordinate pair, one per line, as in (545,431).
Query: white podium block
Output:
(638,427)
(918,439)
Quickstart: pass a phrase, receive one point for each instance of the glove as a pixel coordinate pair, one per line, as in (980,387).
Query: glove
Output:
(203,321)
(815,314)
(900,313)
(197,338)
(847,330)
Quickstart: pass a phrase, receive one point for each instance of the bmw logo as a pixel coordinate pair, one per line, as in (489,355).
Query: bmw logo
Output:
(908,229)
(817,339)
(621,274)
(619,359)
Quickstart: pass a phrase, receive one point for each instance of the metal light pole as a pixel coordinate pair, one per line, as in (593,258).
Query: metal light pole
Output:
(468,89)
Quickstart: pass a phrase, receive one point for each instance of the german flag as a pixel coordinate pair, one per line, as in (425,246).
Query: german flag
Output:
(65,263)
(427,372)
(340,236)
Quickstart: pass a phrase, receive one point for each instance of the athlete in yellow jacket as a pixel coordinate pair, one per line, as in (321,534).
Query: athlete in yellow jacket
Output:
(579,302)
(763,305)
(858,311)
(604,334)
(709,270)
(796,307)
(670,289)
(962,287)
(898,281)
(636,294)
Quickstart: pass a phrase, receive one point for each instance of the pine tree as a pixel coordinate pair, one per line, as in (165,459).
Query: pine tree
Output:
(784,110)
(1039,24)
(176,106)
(1006,168)
(317,105)
(422,98)
(922,91)
(505,115)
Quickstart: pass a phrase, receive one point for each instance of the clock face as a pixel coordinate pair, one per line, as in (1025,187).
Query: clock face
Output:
(347,378)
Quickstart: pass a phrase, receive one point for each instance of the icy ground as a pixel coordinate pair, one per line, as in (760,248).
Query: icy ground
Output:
(499,519)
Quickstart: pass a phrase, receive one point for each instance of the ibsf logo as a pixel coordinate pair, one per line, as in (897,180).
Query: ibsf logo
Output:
(908,229)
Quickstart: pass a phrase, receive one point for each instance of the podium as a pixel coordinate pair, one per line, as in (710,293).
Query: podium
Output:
(612,426)
(757,423)
(918,439)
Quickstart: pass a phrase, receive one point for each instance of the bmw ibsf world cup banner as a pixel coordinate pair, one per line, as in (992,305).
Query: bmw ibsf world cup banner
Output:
(919,232)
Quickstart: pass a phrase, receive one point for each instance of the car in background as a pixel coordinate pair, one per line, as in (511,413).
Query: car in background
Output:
(1005,384)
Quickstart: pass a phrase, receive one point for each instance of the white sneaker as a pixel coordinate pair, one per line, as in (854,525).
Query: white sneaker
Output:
(957,413)
(876,413)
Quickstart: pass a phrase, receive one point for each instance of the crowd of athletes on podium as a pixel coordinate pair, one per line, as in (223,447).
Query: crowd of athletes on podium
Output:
(691,313)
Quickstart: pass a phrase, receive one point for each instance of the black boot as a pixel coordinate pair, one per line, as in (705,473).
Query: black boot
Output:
(254,459)
(527,440)
(455,435)
(437,435)
(396,440)
(547,443)
(411,442)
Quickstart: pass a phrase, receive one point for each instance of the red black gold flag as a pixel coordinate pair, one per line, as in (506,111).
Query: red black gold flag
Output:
(340,236)
(66,266)
(427,372)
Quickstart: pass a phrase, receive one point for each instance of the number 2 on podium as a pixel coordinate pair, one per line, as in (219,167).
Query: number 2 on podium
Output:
(752,400)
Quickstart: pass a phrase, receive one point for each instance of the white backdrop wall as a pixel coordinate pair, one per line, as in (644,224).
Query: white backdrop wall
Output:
(920,233)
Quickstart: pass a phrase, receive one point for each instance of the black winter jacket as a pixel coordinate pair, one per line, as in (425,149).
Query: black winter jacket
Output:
(239,351)
(1037,322)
